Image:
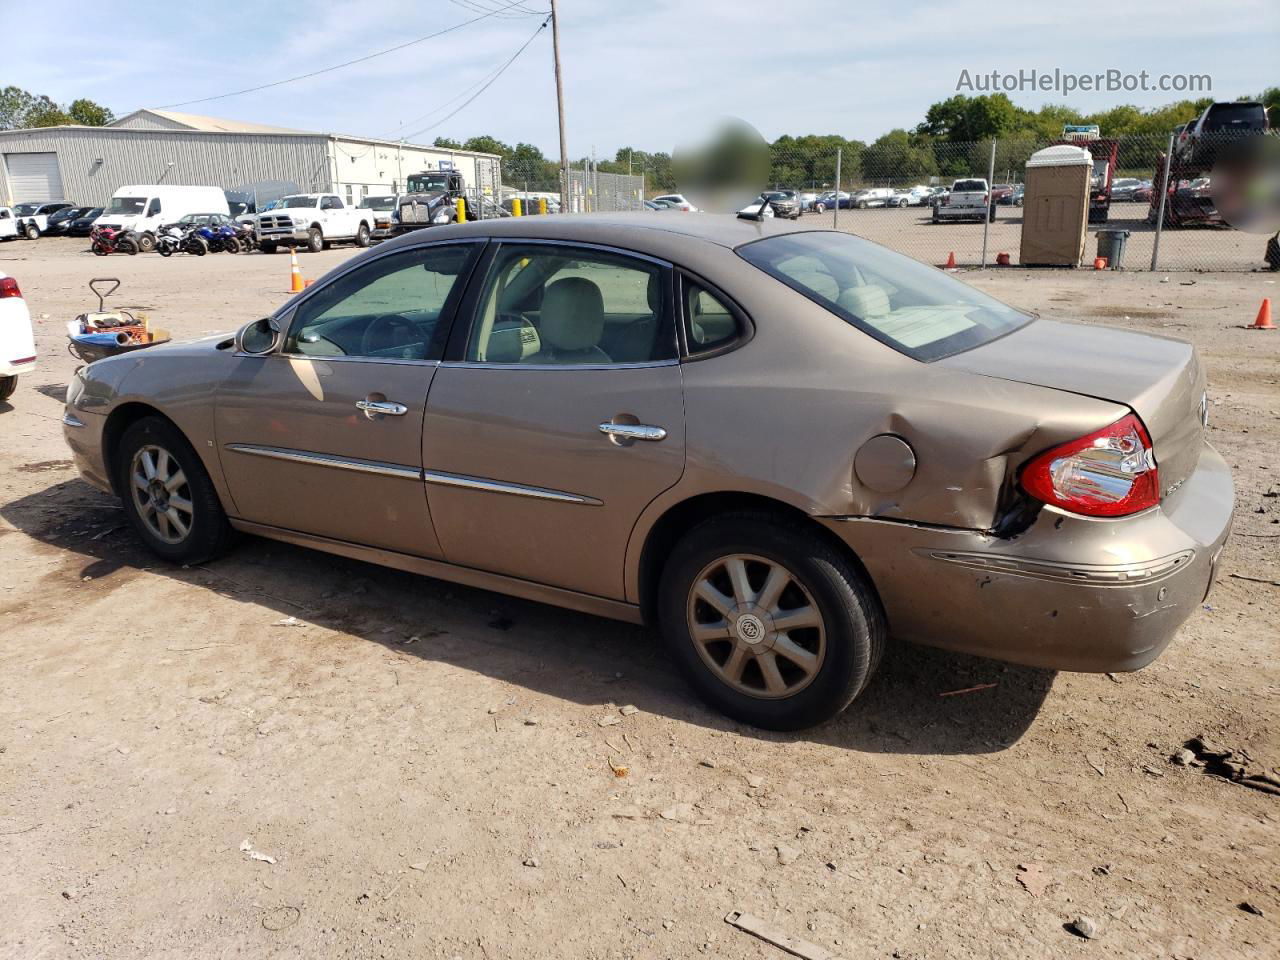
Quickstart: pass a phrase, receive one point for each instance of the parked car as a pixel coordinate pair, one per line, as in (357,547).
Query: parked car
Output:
(1002,193)
(872,197)
(968,199)
(1019,194)
(785,203)
(911,197)
(935,196)
(83,225)
(758,209)
(313,221)
(1198,142)
(808,200)
(554,408)
(678,201)
(1122,188)
(382,207)
(8,224)
(33,218)
(659,205)
(17,339)
(59,222)
(1142,192)
(829,200)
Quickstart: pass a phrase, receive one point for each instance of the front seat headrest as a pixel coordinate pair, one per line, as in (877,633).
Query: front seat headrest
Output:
(572,314)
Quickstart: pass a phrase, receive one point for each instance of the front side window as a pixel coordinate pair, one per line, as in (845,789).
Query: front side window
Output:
(393,308)
(153,207)
(914,308)
(560,305)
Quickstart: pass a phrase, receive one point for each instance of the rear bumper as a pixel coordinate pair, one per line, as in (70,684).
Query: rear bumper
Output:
(10,369)
(1069,593)
(962,213)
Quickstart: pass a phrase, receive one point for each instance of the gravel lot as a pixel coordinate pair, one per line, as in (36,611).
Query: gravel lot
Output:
(431,770)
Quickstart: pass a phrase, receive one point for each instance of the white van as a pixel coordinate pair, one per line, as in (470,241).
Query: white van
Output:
(144,208)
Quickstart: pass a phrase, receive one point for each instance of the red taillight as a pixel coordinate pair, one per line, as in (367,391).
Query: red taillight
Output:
(946,201)
(9,288)
(1110,473)
(986,200)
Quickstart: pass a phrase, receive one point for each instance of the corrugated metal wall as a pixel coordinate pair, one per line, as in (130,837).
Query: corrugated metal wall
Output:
(379,167)
(226,160)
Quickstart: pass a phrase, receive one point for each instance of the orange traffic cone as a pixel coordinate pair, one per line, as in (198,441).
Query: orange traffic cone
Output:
(1264,317)
(295,275)
(951,260)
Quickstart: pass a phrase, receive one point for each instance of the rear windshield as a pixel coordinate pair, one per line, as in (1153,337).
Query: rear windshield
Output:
(914,308)
(1231,116)
(966,186)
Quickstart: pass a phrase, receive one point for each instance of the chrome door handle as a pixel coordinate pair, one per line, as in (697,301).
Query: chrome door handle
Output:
(378,408)
(626,432)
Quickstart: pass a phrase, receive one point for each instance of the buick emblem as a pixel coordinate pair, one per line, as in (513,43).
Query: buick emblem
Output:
(750,629)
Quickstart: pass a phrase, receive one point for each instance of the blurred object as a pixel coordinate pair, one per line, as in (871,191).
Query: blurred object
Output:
(1245,183)
(723,171)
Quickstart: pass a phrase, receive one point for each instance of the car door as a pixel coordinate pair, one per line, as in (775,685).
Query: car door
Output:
(324,434)
(558,415)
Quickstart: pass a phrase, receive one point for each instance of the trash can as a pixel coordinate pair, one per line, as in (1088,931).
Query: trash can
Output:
(1111,245)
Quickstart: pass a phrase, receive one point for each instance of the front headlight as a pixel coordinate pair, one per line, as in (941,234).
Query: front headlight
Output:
(441,217)
(297,222)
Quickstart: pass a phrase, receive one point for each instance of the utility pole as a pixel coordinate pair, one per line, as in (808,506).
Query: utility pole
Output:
(564,150)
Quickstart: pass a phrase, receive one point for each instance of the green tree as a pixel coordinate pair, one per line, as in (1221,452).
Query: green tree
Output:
(487,144)
(14,104)
(45,113)
(89,114)
(444,143)
(898,157)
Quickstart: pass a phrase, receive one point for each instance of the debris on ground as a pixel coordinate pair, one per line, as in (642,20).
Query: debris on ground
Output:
(1097,764)
(246,847)
(787,855)
(629,710)
(774,934)
(289,622)
(1083,927)
(619,770)
(280,918)
(1244,905)
(531,862)
(609,721)
(1234,765)
(1034,879)
(975,689)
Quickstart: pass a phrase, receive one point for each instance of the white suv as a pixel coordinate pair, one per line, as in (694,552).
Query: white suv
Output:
(17,341)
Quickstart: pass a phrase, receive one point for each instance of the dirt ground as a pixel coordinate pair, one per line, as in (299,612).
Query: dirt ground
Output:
(286,754)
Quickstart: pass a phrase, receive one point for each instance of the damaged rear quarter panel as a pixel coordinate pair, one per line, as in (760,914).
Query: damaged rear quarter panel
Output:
(784,416)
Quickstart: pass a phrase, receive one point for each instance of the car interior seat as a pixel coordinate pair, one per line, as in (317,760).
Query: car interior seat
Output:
(572,322)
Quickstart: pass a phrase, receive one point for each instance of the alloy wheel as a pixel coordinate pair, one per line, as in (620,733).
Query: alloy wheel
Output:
(161,494)
(756,626)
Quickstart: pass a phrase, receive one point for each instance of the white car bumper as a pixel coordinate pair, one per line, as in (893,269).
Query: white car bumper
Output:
(17,341)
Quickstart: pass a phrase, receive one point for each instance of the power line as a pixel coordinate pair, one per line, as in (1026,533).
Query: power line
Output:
(349,63)
(444,104)
(542,26)
(510,13)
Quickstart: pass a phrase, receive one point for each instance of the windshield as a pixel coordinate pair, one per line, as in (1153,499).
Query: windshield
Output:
(298,202)
(901,302)
(380,203)
(428,182)
(127,205)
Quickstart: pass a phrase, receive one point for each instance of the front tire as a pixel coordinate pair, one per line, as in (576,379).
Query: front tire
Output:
(267,246)
(7,386)
(32,232)
(168,497)
(769,624)
(315,240)
(362,236)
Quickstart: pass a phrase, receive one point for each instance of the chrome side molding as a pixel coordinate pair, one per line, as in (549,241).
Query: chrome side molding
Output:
(329,460)
(443,479)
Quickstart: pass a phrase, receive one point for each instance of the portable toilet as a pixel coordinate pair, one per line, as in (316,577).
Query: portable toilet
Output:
(1055,207)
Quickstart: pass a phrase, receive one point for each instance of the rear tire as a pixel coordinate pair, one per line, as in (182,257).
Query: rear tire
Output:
(146,242)
(7,386)
(168,497)
(267,247)
(763,685)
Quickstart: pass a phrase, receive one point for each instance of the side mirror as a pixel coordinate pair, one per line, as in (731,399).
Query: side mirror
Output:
(258,338)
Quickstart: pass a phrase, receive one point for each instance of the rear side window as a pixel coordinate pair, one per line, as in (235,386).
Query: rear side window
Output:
(709,323)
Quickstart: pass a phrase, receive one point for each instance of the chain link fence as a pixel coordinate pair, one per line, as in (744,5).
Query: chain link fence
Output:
(897,193)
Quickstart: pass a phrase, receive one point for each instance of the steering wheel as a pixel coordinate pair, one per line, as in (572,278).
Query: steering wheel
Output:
(375,328)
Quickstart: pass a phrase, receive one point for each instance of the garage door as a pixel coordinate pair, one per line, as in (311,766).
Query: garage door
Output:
(33,177)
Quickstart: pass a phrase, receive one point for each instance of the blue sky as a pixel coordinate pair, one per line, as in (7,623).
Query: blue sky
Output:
(644,74)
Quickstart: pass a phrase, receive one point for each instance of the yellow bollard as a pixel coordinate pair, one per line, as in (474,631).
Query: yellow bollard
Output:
(462,210)
(515,207)
(542,205)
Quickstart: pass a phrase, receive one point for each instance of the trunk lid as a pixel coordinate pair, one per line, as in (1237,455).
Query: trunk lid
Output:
(1159,378)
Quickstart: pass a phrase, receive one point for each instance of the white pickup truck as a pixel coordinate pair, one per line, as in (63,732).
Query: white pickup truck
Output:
(33,218)
(969,199)
(313,221)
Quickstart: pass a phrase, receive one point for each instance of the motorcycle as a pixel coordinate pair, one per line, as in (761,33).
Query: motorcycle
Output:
(105,241)
(174,239)
(221,239)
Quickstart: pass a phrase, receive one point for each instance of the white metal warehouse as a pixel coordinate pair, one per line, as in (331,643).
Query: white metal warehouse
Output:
(87,165)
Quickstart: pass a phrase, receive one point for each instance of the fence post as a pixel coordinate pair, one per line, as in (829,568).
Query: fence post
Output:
(835,206)
(986,219)
(1164,196)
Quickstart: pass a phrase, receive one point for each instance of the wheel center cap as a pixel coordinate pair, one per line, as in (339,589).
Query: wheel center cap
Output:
(750,629)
